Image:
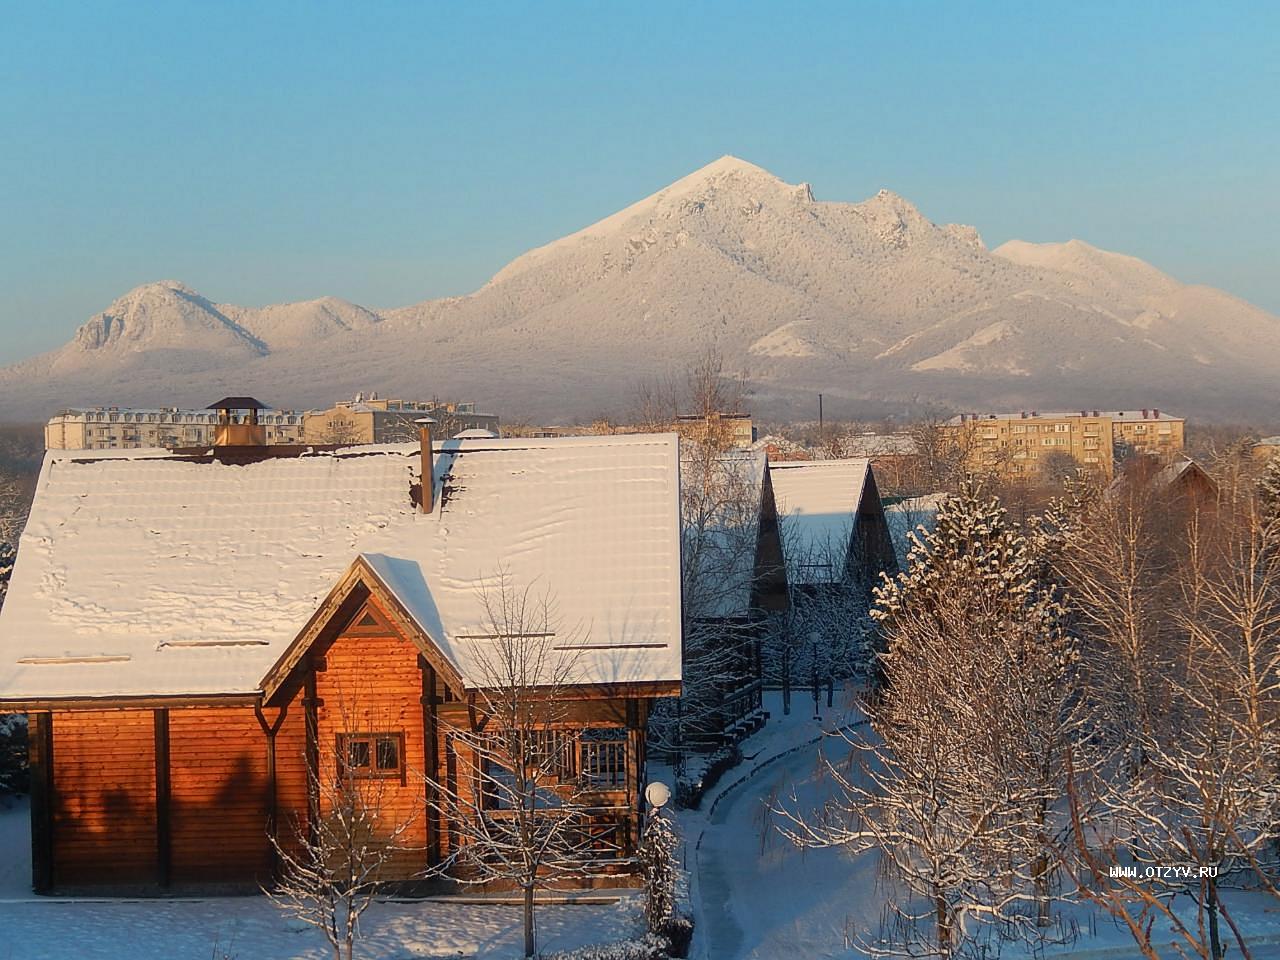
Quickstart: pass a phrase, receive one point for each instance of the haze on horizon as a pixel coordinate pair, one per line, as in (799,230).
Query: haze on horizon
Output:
(392,154)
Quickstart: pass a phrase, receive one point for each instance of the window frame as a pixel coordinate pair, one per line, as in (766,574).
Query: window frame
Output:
(373,771)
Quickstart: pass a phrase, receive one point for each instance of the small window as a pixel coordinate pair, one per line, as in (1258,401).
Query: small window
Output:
(372,755)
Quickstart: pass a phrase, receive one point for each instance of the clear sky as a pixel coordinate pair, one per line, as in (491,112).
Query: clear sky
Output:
(387,153)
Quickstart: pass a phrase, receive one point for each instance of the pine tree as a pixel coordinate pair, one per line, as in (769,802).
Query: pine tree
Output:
(961,773)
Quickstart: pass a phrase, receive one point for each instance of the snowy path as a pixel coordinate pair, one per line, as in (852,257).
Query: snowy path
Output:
(760,897)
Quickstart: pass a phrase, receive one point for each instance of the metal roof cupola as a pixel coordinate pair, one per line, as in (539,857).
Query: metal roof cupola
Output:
(238,424)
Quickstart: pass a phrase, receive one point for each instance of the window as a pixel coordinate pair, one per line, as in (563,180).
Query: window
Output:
(1062,428)
(372,755)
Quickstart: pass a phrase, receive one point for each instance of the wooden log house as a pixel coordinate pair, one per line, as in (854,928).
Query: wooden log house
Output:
(198,636)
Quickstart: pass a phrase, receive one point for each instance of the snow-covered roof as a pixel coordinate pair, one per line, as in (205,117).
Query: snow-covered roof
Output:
(145,573)
(817,501)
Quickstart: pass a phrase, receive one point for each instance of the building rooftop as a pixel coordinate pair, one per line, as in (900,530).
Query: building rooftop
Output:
(817,500)
(150,573)
(1150,413)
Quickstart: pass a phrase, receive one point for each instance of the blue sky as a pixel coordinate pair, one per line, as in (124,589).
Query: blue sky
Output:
(387,153)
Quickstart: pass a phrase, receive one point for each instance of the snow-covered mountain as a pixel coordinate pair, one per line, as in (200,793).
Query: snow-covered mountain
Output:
(870,303)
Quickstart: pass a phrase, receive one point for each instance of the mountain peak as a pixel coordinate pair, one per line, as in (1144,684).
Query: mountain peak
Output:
(729,164)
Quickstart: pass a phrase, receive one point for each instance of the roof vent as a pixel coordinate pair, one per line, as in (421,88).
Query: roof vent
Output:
(238,423)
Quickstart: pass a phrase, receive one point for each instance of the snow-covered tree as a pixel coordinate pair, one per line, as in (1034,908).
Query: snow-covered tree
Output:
(957,783)
(720,503)
(13,515)
(1269,492)
(657,854)
(826,637)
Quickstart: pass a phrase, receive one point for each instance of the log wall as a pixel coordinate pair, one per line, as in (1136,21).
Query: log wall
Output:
(219,796)
(104,792)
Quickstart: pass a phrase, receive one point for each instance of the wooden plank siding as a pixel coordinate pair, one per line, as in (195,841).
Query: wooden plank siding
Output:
(186,796)
(373,684)
(219,797)
(104,786)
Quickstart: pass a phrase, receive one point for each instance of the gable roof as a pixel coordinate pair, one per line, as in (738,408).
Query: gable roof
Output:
(146,573)
(1176,476)
(817,503)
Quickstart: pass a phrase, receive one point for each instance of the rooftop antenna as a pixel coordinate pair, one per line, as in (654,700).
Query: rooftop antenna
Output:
(820,414)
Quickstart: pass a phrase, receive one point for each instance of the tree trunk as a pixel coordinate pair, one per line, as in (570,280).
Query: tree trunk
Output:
(1040,877)
(529,945)
(831,690)
(1211,904)
(786,683)
(944,926)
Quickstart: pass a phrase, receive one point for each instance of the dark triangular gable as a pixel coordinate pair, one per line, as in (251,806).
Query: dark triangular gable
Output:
(871,547)
(769,582)
(342,611)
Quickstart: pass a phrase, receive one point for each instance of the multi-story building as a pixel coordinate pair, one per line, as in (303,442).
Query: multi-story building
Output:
(374,420)
(125,428)
(1033,445)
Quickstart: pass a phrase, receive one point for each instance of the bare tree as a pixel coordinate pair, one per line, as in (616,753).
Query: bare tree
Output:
(518,803)
(944,456)
(1204,795)
(720,506)
(333,866)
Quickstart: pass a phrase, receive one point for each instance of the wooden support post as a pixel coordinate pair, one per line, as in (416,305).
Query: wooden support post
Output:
(635,772)
(311,703)
(271,795)
(431,759)
(164,831)
(40,759)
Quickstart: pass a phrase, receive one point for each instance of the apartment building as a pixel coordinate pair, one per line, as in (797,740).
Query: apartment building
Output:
(374,420)
(1034,445)
(125,428)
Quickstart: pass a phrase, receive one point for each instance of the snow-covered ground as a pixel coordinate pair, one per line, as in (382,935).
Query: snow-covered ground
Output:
(757,896)
(251,928)
(753,894)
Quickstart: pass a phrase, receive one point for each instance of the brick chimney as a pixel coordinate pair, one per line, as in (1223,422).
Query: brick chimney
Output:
(427,469)
(1155,414)
(1145,411)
